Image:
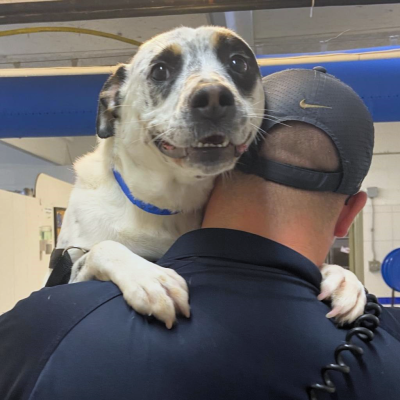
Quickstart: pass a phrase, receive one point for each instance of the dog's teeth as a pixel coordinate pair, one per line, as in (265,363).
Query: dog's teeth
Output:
(224,144)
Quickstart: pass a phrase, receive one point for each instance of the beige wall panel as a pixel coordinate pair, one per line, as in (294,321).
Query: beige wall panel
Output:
(34,265)
(7,271)
(19,247)
(50,192)
(23,266)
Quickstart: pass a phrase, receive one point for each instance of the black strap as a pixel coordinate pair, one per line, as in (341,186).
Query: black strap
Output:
(290,175)
(61,264)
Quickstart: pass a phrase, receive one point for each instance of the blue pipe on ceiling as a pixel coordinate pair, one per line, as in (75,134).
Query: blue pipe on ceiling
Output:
(49,105)
(66,105)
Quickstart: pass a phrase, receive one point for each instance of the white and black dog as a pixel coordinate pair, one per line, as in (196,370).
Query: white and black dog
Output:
(182,112)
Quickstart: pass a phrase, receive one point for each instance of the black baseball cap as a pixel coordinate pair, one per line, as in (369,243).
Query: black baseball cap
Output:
(315,97)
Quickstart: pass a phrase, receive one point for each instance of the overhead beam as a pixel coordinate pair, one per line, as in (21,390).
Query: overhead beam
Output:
(28,11)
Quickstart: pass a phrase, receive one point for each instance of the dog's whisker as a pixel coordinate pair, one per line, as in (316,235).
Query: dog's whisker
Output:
(120,105)
(265,109)
(260,101)
(153,125)
(259,129)
(140,120)
(158,137)
(263,115)
(273,119)
(162,134)
(227,176)
(260,136)
(137,140)
(266,117)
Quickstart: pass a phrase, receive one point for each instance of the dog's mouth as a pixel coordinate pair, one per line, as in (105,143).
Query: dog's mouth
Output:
(209,149)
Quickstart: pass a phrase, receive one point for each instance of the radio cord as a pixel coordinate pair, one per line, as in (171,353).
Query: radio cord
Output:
(364,328)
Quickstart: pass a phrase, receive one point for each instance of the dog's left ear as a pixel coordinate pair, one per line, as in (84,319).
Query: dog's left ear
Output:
(108,110)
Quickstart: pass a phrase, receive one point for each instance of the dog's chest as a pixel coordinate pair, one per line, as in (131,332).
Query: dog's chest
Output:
(152,235)
(96,215)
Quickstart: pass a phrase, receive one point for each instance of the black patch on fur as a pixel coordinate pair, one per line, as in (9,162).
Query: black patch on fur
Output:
(228,46)
(108,110)
(173,59)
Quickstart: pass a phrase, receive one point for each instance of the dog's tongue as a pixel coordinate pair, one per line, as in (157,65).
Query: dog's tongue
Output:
(168,146)
(241,149)
(172,151)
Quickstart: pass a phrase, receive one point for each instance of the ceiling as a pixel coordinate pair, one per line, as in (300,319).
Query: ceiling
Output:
(26,11)
(277,31)
(274,32)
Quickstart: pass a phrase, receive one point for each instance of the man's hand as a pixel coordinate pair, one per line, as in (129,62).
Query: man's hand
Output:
(345,291)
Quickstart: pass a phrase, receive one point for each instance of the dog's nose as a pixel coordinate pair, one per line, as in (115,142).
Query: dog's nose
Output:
(213,102)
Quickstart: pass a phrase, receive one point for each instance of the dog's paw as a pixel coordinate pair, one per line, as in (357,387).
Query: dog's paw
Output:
(156,291)
(148,288)
(345,291)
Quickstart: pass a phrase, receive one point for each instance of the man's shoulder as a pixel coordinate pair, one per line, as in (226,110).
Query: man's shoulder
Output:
(63,302)
(390,321)
(32,330)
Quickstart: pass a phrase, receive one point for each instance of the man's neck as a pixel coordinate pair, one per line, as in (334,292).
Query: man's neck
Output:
(296,232)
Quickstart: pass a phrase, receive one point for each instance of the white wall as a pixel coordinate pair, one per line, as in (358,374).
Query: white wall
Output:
(19,170)
(384,174)
(23,266)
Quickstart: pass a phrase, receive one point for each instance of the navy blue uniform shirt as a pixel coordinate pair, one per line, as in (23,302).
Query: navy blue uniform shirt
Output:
(257,332)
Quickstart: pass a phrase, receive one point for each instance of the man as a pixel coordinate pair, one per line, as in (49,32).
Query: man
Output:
(257,329)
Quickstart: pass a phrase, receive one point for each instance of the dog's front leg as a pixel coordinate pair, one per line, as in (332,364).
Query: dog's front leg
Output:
(148,288)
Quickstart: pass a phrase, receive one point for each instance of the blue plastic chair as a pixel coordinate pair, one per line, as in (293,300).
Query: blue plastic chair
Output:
(391,271)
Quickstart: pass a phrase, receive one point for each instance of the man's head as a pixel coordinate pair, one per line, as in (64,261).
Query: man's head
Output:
(301,183)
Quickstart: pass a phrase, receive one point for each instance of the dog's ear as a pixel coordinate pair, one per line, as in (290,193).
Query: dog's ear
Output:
(108,110)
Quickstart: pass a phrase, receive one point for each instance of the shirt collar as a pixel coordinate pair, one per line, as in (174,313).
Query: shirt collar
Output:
(242,247)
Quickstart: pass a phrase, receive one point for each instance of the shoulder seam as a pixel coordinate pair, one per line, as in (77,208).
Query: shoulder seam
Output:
(52,347)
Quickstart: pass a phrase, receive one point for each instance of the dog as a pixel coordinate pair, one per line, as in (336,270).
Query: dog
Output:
(181,113)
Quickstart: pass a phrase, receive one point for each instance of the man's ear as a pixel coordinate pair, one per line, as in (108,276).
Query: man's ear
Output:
(108,110)
(355,204)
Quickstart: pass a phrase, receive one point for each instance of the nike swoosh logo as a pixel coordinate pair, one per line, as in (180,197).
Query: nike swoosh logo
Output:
(303,104)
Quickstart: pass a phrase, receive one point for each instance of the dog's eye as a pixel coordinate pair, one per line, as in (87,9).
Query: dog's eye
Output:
(238,64)
(160,72)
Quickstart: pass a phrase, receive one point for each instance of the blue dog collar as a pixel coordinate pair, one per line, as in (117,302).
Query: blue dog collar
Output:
(138,203)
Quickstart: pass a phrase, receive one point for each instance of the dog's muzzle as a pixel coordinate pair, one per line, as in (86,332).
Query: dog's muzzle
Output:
(212,103)
(212,110)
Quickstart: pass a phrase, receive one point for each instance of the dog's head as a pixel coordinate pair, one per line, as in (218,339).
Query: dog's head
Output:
(193,95)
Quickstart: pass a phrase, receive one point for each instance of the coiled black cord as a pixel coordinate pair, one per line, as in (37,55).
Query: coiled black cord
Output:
(364,327)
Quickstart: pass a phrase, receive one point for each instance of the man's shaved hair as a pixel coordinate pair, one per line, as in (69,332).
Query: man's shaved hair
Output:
(303,145)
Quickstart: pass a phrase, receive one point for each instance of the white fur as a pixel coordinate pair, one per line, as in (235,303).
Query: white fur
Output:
(120,236)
